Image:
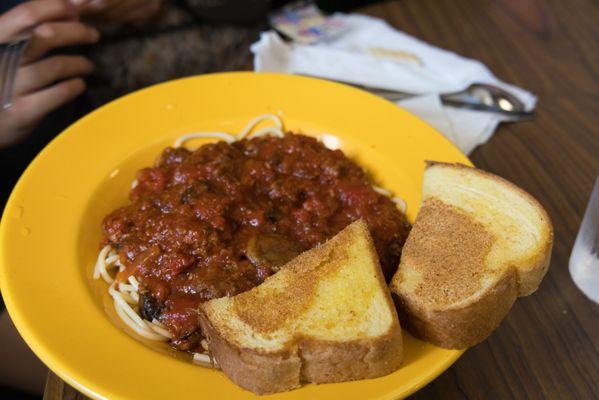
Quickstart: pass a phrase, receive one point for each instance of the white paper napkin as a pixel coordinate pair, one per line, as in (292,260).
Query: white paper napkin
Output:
(373,54)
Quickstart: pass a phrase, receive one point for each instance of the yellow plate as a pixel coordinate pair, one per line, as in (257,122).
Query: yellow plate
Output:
(51,226)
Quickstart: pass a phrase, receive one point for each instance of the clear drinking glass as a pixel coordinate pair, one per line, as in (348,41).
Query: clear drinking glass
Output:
(584,260)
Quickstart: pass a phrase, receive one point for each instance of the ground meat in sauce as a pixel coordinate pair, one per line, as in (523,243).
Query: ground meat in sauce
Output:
(203,224)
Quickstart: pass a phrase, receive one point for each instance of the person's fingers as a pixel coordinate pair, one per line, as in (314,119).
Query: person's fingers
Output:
(52,35)
(32,13)
(33,107)
(26,111)
(49,70)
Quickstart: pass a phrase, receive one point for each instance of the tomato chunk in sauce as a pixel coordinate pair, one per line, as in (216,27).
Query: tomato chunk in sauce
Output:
(218,220)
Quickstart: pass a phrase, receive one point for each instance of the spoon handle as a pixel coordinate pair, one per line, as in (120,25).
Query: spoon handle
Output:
(517,114)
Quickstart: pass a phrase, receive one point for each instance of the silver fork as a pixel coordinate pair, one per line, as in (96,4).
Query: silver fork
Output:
(10,57)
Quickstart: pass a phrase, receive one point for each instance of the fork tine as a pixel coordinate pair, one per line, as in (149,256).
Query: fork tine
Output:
(3,71)
(9,65)
(13,67)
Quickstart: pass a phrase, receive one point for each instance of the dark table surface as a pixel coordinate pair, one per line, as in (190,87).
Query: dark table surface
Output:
(548,346)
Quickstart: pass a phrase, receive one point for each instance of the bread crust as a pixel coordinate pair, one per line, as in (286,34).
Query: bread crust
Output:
(305,360)
(308,359)
(465,325)
(261,373)
(460,327)
(529,281)
(326,361)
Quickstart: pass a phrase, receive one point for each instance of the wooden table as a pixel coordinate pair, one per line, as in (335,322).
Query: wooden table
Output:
(548,346)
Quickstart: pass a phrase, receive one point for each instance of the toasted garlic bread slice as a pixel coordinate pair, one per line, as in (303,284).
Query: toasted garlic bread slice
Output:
(477,244)
(326,316)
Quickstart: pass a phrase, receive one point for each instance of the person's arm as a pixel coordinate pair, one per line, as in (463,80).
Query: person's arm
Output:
(43,84)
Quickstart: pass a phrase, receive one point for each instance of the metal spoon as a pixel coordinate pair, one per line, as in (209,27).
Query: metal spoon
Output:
(478,96)
(485,97)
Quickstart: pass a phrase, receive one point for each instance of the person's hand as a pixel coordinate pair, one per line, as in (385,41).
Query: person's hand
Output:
(121,11)
(43,84)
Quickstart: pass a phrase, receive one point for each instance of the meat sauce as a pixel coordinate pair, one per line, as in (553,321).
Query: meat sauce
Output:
(218,220)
